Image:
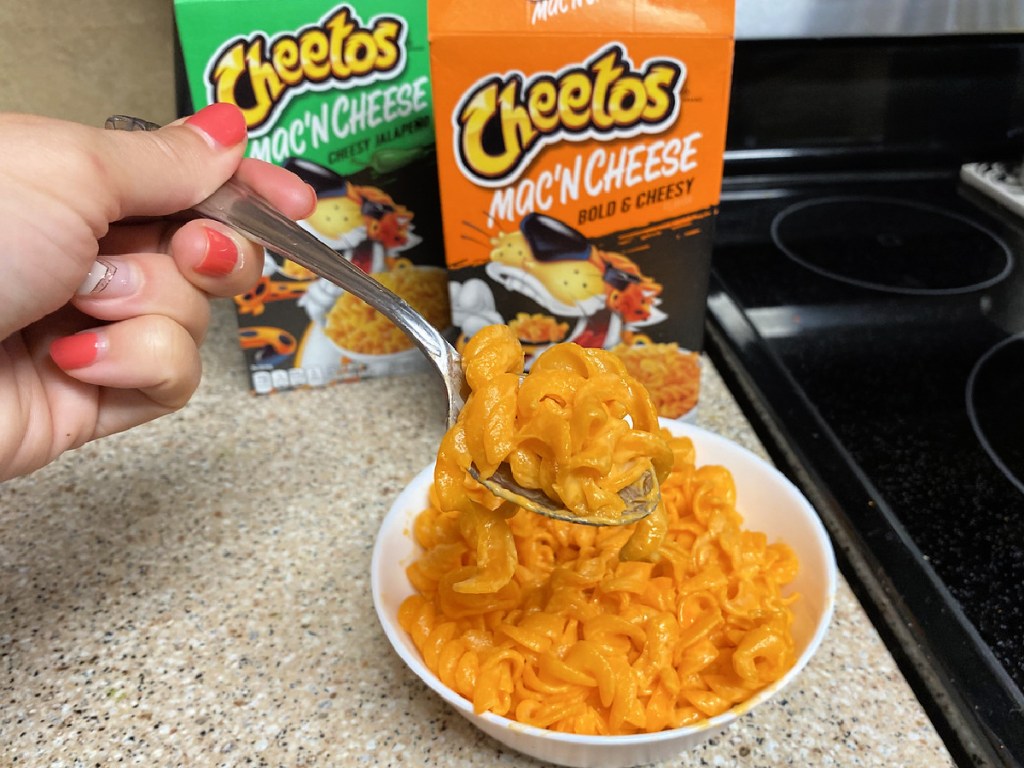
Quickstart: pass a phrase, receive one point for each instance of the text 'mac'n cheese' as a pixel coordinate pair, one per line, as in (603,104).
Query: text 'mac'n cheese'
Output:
(580,147)
(339,93)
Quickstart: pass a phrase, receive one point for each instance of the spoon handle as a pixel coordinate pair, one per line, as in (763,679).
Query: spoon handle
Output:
(239,207)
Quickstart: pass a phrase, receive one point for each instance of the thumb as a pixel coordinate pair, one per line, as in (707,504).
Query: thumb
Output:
(171,169)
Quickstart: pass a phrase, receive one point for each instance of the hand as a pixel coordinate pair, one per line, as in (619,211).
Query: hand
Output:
(104,295)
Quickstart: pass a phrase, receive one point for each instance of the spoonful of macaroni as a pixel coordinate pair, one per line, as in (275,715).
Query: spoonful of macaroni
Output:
(604,479)
(578,428)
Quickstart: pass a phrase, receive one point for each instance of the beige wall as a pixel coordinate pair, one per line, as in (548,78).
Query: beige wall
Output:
(83,60)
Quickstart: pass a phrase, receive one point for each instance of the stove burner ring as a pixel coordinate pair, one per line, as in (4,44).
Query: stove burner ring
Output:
(891,245)
(975,382)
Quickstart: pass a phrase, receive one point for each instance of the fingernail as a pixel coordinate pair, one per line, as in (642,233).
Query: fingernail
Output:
(221,255)
(109,279)
(223,123)
(314,200)
(78,351)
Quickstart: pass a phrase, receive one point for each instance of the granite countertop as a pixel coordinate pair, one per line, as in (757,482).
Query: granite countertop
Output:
(196,592)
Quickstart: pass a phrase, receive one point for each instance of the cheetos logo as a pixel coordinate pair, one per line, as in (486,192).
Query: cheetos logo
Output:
(259,75)
(502,122)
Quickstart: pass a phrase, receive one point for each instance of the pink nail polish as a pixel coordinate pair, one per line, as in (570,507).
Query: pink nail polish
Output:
(109,278)
(223,123)
(78,351)
(221,255)
(99,277)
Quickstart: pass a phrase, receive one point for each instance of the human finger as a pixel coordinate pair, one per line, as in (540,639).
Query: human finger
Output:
(150,353)
(278,186)
(210,249)
(281,188)
(123,286)
(213,257)
(154,173)
(205,151)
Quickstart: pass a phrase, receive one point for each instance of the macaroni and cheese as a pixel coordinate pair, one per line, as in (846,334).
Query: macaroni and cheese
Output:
(583,629)
(354,325)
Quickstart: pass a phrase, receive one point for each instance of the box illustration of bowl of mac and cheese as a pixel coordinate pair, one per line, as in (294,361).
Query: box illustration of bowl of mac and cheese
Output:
(580,149)
(339,93)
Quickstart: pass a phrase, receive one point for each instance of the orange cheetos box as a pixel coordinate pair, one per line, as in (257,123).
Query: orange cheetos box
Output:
(580,148)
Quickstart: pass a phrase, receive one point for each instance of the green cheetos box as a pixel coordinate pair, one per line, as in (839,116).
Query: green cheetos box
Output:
(340,94)
(580,150)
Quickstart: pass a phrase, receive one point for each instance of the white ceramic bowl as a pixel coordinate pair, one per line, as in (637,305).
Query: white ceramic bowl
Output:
(768,503)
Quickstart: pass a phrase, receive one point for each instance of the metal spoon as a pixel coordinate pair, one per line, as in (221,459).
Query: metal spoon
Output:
(237,206)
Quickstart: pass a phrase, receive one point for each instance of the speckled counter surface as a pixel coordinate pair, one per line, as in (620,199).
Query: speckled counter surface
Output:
(196,593)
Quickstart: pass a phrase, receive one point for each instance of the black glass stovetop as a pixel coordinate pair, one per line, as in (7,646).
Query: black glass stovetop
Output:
(874,331)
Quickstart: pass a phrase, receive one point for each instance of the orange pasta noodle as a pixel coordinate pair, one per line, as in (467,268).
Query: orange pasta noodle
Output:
(356,326)
(671,375)
(550,623)
(537,328)
(578,427)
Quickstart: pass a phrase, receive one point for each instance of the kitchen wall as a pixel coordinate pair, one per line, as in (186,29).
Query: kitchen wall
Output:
(83,60)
